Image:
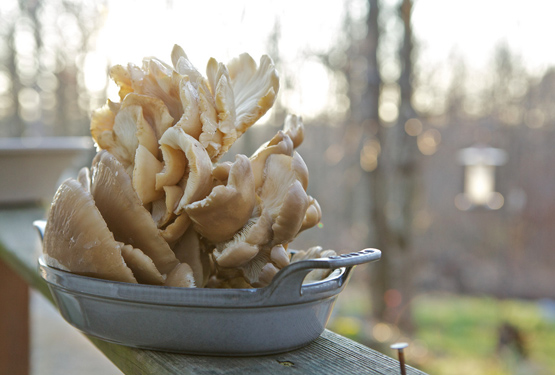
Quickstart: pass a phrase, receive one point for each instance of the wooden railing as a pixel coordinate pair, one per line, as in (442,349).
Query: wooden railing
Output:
(19,249)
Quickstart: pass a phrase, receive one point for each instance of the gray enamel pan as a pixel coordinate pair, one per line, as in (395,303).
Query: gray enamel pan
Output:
(282,316)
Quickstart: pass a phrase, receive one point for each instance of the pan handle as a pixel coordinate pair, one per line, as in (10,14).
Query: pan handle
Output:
(287,284)
(40,225)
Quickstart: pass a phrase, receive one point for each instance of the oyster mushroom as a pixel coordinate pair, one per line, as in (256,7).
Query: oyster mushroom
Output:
(142,266)
(144,175)
(254,88)
(179,147)
(218,117)
(294,128)
(314,253)
(228,207)
(138,120)
(198,166)
(284,197)
(281,143)
(77,239)
(158,80)
(181,276)
(190,119)
(84,177)
(313,214)
(189,249)
(162,209)
(124,213)
(276,221)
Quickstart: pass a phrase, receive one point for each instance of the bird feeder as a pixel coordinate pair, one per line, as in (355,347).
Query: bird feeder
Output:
(479,178)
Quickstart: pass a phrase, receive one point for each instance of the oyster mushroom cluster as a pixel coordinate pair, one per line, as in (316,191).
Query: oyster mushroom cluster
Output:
(158,207)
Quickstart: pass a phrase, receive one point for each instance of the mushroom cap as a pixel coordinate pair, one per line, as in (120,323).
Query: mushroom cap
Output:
(279,144)
(314,252)
(142,266)
(190,120)
(279,256)
(254,87)
(181,276)
(228,207)
(158,80)
(162,209)
(199,165)
(294,128)
(122,210)
(292,210)
(84,178)
(284,197)
(77,238)
(144,175)
(222,115)
(313,214)
(188,249)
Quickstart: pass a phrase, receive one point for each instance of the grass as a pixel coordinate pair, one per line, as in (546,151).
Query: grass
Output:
(458,335)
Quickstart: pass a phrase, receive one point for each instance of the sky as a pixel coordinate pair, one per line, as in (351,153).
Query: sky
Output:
(224,29)
(472,28)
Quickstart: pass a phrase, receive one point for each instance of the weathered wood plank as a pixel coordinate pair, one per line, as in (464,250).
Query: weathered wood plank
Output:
(329,354)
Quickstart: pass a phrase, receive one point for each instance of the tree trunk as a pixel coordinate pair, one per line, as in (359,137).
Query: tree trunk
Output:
(393,189)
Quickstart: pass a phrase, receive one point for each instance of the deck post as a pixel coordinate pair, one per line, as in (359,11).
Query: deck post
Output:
(14,323)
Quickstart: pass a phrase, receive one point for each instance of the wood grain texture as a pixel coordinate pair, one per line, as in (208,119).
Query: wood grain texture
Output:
(329,354)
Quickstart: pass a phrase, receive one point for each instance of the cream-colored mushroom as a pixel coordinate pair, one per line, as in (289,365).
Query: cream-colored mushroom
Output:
(281,143)
(84,178)
(247,243)
(190,120)
(199,166)
(220,172)
(276,221)
(196,181)
(185,67)
(294,128)
(228,207)
(211,137)
(144,175)
(102,123)
(138,120)
(159,80)
(77,238)
(254,88)
(142,266)
(314,253)
(313,214)
(284,197)
(224,109)
(122,79)
(173,171)
(176,229)
(189,249)
(162,209)
(124,213)
(284,142)
(279,256)
(181,276)
(154,113)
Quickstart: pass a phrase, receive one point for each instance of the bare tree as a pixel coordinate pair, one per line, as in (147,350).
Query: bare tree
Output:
(393,190)
(45,43)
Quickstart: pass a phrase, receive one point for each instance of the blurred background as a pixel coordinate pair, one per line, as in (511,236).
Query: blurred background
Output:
(430,128)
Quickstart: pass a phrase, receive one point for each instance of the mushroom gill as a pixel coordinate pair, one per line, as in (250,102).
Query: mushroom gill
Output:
(77,238)
(124,213)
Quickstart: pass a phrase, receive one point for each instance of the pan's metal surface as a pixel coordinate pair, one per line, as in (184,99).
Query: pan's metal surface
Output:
(283,316)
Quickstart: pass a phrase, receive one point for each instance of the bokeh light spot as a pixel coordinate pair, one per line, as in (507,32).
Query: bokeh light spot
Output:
(393,298)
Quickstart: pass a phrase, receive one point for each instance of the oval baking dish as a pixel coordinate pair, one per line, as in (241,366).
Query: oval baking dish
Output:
(282,316)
